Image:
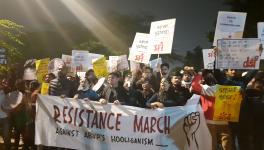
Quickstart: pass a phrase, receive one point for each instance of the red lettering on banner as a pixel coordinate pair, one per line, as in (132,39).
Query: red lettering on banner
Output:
(151,125)
(56,113)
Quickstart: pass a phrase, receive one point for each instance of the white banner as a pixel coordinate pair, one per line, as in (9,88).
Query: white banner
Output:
(230,25)
(161,36)
(208,58)
(80,60)
(261,35)
(238,54)
(139,52)
(79,124)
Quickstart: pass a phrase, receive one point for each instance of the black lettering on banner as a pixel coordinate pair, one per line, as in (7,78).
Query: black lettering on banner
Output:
(190,126)
(122,139)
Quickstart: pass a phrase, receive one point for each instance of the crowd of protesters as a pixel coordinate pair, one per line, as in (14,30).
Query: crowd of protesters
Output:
(143,88)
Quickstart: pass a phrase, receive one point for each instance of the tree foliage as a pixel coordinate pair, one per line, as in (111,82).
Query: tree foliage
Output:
(11,40)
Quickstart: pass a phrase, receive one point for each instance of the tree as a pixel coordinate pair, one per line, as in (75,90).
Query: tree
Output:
(194,58)
(10,39)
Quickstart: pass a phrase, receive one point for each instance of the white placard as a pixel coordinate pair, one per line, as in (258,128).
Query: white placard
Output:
(118,63)
(208,58)
(261,35)
(230,25)
(238,54)
(161,36)
(155,64)
(139,52)
(93,56)
(80,60)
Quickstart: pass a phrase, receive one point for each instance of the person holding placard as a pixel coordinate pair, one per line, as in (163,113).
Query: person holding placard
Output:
(220,131)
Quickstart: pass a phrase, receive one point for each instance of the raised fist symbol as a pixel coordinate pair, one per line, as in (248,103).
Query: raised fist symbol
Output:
(190,126)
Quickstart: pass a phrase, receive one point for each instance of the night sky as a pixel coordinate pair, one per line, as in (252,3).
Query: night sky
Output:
(194,18)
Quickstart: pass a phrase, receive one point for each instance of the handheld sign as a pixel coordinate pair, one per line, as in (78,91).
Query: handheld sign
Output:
(161,36)
(238,54)
(100,67)
(42,68)
(139,51)
(227,103)
(230,25)
(118,63)
(80,60)
(261,35)
(208,58)
(68,62)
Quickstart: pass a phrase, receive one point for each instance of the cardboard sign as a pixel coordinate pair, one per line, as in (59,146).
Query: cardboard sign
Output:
(261,35)
(93,56)
(44,88)
(238,54)
(230,25)
(42,68)
(118,63)
(100,67)
(208,58)
(88,125)
(80,60)
(227,103)
(67,59)
(161,36)
(139,52)
(155,64)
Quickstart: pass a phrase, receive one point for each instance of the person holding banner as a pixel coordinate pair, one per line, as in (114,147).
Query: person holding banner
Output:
(147,74)
(220,131)
(169,95)
(91,78)
(60,86)
(164,72)
(188,73)
(113,92)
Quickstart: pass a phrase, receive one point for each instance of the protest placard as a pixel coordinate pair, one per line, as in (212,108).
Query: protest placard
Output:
(79,124)
(261,35)
(100,67)
(67,59)
(139,52)
(93,56)
(238,54)
(42,68)
(208,58)
(161,36)
(80,60)
(44,88)
(155,64)
(118,63)
(230,25)
(227,103)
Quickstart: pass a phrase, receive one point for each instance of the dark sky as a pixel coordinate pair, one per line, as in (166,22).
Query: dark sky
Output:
(194,18)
